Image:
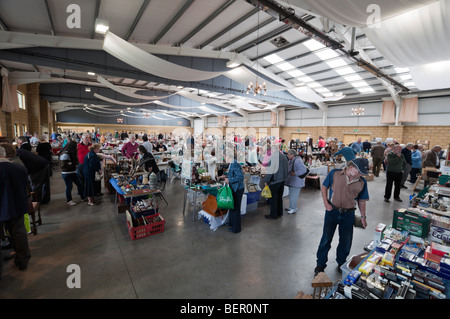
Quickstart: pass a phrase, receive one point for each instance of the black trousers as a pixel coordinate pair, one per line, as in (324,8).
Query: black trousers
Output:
(234,214)
(276,202)
(393,178)
(19,241)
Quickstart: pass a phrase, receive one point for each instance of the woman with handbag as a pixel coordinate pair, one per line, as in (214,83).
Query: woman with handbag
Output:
(92,169)
(295,180)
(235,178)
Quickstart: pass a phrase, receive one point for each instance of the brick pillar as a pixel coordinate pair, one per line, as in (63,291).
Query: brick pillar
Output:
(396,132)
(34,108)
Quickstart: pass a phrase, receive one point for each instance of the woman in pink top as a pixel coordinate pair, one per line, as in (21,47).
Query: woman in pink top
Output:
(130,149)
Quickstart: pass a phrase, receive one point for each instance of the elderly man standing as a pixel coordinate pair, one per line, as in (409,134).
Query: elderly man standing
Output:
(396,164)
(14,205)
(377,158)
(431,157)
(358,146)
(296,167)
(342,189)
(130,149)
(406,151)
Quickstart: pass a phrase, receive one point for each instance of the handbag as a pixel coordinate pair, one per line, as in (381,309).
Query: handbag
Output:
(304,174)
(266,193)
(98,176)
(225,198)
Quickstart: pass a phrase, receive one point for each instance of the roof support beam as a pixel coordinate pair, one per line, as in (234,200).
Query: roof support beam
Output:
(263,38)
(231,26)
(172,22)
(52,29)
(136,20)
(206,21)
(97,10)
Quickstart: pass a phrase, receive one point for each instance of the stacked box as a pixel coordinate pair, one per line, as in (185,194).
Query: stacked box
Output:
(416,224)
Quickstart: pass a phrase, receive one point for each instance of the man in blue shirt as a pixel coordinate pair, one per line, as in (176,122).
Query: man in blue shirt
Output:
(358,146)
(341,190)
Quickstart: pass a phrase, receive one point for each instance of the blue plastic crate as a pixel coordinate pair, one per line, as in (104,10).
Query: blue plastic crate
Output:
(253,197)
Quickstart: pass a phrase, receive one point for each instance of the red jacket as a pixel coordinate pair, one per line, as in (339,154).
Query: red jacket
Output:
(83,149)
(128,150)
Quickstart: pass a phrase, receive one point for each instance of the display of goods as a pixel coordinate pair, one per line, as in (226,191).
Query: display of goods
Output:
(416,224)
(147,226)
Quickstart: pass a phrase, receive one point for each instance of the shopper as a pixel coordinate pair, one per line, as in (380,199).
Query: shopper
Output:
(38,173)
(68,164)
(346,151)
(235,178)
(416,167)
(358,146)
(342,189)
(130,149)
(14,205)
(147,144)
(296,167)
(431,157)
(406,151)
(82,150)
(147,160)
(377,158)
(396,164)
(23,143)
(276,174)
(90,167)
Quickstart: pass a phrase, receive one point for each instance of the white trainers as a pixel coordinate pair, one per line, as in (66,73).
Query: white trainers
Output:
(290,211)
(71,203)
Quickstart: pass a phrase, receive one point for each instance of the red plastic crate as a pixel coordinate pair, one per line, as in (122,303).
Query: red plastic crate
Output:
(147,230)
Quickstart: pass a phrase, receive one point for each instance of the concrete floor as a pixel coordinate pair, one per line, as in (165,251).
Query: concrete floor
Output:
(269,259)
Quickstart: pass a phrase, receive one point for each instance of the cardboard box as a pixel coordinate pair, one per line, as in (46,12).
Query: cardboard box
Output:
(369,177)
(416,224)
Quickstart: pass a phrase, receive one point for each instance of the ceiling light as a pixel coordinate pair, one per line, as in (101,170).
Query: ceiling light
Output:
(91,73)
(327,54)
(352,78)
(305,79)
(322,90)
(359,84)
(295,73)
(366,90)
(401,70)
(87,89)
(285,66)
(101,26)
(410,84)
(314,85)
(336,63)
(313,45)
(345,71)
(405,77)
(233,63)
(273,58)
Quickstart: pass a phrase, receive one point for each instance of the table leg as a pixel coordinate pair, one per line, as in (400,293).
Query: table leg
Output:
(184,201)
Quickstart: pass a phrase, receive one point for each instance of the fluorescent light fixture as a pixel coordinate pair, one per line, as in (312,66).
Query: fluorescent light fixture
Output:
(359,84)
(101,26)
(327,54)
(366,90)
(405,77)
(352,78)
(285,66)
(401,70)
(91,73)
(322,90)
(295,73)
(273,58)
(233,63)
(328,94)
(87,89)
(314,85)
(313,45)
(336,63)
(345,71)
(305,79)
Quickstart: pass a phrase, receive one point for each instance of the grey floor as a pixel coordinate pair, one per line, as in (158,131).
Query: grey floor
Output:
(269,259)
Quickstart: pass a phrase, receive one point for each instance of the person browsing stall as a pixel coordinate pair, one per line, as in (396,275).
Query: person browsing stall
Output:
(296,168)
(342,190)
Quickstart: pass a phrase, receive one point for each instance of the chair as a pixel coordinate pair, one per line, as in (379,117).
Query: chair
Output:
(322,285)
(175,171)
(33,207)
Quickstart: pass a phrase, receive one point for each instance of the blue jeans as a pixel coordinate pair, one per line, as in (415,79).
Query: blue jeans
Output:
(345,222)
(294,192)
(73,178)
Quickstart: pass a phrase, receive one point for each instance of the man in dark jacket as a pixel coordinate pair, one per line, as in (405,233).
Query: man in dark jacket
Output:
(13,206)
(38,173)
(406,151)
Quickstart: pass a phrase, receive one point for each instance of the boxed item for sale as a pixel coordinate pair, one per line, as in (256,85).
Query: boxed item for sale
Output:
(375,257)
(366,267)
(378,235)
(416,224)
(388,259)
(440,234)
(352,277)
(439,249)
(430,255)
